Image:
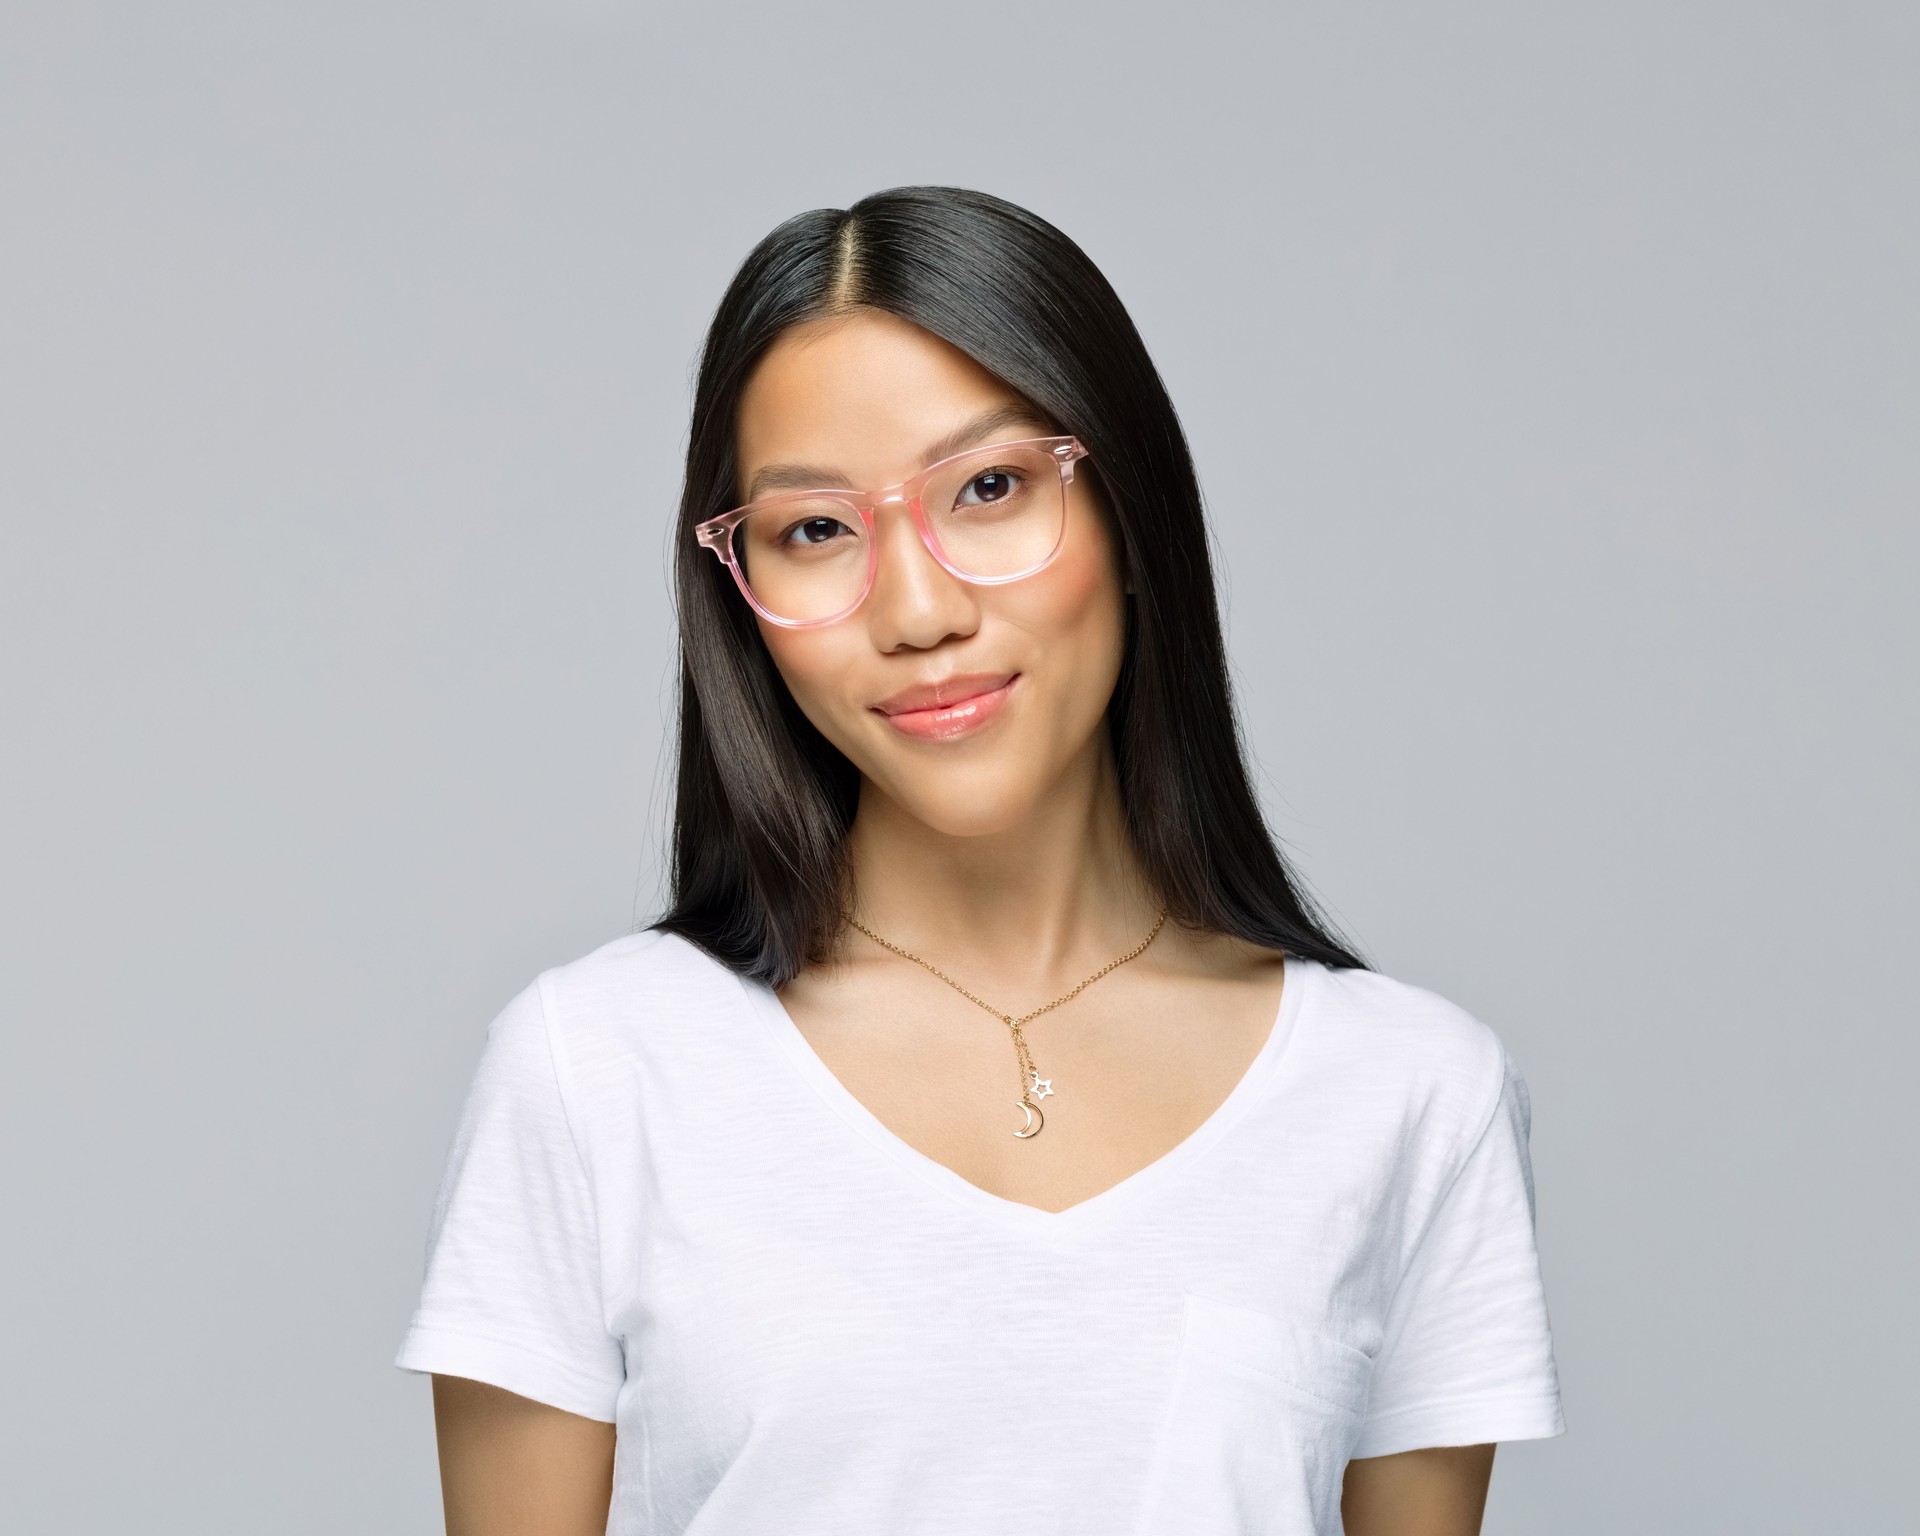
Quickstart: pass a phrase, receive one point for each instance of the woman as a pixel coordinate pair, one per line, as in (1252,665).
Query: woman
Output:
(990,1136)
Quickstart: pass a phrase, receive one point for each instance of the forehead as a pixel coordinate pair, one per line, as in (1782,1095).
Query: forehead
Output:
(860,395)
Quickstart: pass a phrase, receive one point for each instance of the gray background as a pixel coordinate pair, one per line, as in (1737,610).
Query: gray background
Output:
(1553,377)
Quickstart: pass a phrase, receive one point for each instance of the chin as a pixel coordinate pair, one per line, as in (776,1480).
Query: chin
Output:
(966,804)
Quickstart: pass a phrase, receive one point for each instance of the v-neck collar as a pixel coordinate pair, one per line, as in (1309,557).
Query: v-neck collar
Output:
(1298,979)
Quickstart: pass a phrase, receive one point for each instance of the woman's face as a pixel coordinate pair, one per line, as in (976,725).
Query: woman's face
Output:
(864,399)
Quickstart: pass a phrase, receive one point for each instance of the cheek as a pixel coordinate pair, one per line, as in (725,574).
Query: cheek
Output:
(815,665)
(1075,604)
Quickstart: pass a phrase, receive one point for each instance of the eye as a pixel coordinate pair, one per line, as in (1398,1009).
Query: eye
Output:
(988,487)
(812,531)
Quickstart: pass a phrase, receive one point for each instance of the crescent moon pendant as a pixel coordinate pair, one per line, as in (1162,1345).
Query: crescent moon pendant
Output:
(1035,1120)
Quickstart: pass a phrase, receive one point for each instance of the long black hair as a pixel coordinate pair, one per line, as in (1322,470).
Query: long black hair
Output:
(763,801)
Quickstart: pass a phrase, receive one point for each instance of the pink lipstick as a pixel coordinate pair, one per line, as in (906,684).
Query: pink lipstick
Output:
(951,716)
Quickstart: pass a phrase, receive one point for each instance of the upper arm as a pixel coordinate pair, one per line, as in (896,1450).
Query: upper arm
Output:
(512,1292)
(510,1466)
(1441,1491)
(1466,1353)
(511,1323)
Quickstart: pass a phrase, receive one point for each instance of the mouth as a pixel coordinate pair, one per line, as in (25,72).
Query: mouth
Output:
(951,708)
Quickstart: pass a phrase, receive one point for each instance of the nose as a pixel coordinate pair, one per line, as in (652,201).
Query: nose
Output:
(916,602)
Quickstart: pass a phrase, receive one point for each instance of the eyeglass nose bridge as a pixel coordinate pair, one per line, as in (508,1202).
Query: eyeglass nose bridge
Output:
(929,541)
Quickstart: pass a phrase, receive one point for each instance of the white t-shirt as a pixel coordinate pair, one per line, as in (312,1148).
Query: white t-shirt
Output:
(662,1211)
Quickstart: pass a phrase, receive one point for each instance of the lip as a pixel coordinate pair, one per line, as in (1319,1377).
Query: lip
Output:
(951,707)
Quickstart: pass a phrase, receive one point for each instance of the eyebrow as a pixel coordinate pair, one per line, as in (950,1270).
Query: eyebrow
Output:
(806,477)
(983,426)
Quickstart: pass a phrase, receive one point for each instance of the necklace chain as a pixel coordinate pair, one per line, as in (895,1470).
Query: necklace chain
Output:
(1031,1082)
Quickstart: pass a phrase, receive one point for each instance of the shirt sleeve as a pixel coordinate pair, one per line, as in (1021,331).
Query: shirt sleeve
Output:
(512,1291)
(1467,1353)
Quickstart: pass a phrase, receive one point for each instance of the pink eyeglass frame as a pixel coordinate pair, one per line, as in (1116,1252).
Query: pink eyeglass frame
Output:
(716,533)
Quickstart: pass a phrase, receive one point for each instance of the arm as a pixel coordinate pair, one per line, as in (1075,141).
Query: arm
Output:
(510,1466)
(1436,1492)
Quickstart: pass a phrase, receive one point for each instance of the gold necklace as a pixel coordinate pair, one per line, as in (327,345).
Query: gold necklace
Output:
(1033,1087)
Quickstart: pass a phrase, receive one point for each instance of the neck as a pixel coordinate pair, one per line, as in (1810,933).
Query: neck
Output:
(1035,903)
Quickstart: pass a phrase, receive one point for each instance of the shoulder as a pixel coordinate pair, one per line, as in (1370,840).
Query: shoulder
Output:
(650,964)
(641,994)
(1392,1042)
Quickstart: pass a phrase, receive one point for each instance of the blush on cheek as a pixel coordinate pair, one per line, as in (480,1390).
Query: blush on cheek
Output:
(1067,593)
(1081,571)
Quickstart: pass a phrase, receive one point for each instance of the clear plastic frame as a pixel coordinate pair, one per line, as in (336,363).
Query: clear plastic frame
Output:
(990,515)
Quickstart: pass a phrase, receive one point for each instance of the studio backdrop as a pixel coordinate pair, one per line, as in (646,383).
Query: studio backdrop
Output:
(1553,374)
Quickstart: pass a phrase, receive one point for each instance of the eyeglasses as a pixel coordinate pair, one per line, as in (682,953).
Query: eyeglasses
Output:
(989,515)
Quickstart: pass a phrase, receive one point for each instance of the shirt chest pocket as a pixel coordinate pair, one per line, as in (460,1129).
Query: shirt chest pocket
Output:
(1262,1417)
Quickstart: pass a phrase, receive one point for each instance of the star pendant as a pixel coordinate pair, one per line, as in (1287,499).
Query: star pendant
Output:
(1042,1086)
